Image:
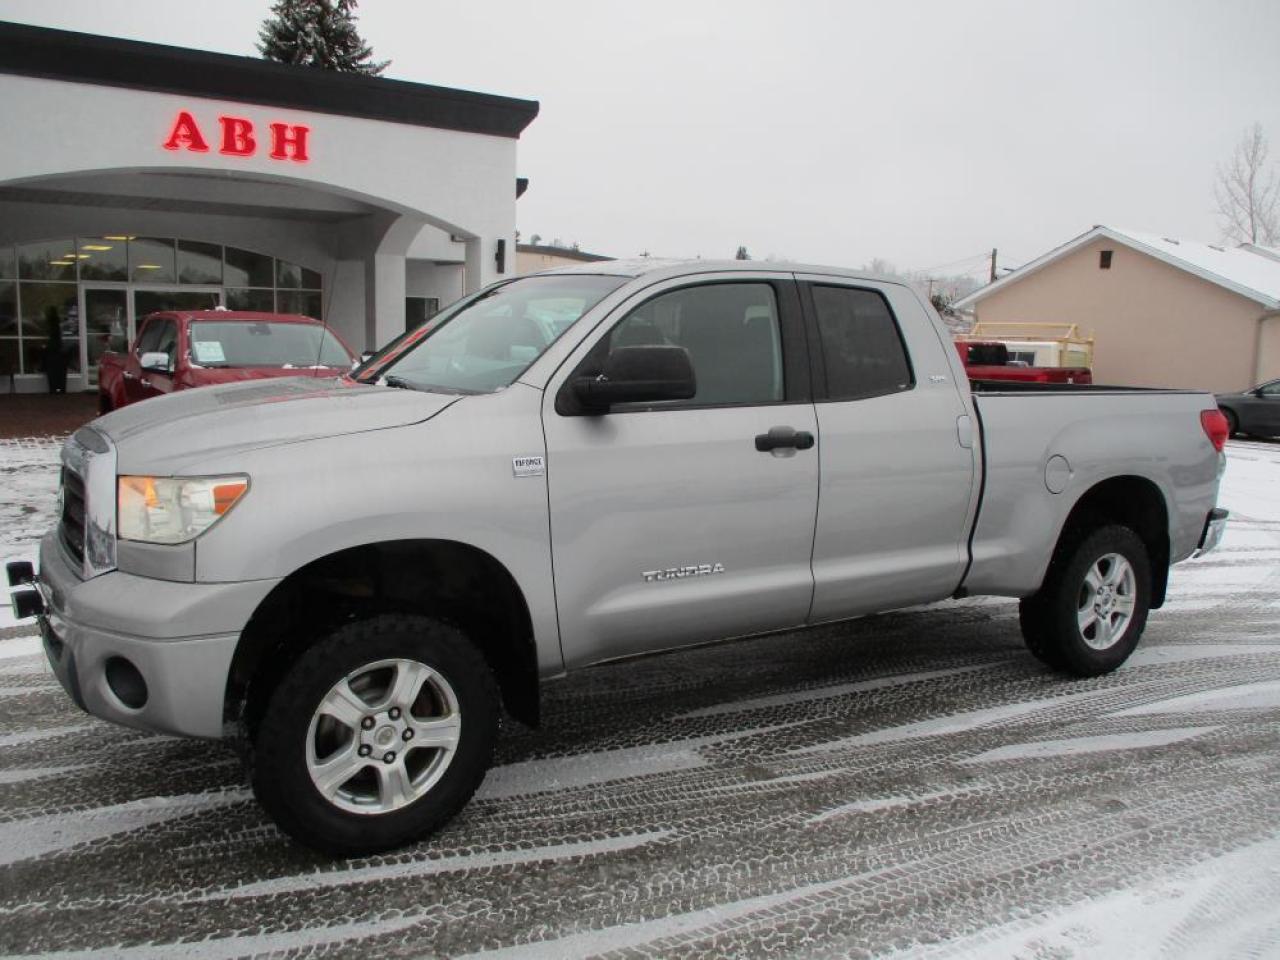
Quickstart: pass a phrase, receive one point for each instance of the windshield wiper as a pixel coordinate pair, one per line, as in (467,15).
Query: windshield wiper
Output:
(400,383)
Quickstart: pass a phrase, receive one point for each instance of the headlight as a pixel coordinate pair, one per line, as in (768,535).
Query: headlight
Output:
(174,509)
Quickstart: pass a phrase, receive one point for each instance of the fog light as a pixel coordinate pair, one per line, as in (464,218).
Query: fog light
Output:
(126,683)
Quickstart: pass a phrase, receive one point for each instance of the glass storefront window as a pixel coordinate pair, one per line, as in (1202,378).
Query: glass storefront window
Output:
(8,356)
(102,259)
(151,260)
(304,302)
(238,298)
(247,269)
(290,276)
(199,262)
(47,260)
(106,320)
(8,309)
(33,354)
(47,274)
(37,298)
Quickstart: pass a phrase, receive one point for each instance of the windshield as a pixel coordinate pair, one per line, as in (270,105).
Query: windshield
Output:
(228,343)
(484,343)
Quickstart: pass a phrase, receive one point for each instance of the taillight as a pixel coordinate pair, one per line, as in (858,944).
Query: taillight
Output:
(1215,428)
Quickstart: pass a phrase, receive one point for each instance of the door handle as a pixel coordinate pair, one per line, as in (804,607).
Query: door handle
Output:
(779,438)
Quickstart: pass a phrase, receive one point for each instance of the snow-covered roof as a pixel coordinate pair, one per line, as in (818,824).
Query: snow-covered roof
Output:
(1249,270)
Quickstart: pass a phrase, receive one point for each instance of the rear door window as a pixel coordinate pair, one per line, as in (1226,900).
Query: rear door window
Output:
(862,349)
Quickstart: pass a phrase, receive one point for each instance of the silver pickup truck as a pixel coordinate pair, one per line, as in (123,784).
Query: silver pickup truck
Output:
(355,577)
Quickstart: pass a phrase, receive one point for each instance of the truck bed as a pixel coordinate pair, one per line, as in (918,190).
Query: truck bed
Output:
(1044,445)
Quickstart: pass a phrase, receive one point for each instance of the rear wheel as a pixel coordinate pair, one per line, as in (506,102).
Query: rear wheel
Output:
(1091,610)
(377,736)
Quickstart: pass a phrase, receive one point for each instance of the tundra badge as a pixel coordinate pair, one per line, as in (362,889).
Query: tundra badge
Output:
(675,573)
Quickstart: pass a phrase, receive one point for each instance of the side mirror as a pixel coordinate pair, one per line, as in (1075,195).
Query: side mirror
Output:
(648,374)
(155,362)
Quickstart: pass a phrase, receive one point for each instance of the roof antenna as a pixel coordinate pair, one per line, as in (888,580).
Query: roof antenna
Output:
(326,301)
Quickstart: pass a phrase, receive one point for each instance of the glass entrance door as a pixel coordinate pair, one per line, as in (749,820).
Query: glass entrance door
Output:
(147,301)
(105,325)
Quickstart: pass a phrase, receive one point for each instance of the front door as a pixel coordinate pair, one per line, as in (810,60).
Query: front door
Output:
(668,525)
(104,326)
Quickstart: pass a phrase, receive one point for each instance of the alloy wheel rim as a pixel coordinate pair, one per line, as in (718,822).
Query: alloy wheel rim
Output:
(1106,602)
(383,736)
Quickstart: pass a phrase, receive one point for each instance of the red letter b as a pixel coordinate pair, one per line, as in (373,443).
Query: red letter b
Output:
(237,137)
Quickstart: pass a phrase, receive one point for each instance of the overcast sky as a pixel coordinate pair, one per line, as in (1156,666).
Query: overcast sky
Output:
(832,132)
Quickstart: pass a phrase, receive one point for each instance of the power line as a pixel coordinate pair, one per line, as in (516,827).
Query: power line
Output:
(955,263)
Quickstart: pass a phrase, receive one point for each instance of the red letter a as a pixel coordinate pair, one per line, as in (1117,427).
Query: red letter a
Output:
(186,135)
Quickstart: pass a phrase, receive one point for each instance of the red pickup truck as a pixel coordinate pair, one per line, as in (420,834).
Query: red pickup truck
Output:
(989,360)
(196,348)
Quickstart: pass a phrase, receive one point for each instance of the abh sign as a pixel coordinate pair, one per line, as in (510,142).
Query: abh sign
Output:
(238,138)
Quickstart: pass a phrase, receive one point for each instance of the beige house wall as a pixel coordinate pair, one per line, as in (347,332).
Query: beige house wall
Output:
(1269,368)
(1154,325)
(533,262)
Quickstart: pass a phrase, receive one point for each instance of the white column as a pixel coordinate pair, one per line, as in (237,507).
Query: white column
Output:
(482,263)
(384,299)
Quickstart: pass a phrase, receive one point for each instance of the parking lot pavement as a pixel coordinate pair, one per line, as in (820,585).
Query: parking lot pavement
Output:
(910,784)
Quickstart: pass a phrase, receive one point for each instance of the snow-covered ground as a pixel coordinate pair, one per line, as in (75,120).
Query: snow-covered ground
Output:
(28,493)
(911,786)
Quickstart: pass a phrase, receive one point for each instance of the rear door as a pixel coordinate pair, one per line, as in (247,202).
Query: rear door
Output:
(897,489)
(668,525)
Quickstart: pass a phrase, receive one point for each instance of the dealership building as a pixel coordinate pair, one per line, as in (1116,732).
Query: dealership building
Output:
(138,177)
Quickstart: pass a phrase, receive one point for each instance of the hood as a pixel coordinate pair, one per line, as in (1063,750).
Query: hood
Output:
(162,433)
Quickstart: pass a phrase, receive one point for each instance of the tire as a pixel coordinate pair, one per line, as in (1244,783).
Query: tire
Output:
(1088,627)
(1233,422)
(359,673)
(104,403)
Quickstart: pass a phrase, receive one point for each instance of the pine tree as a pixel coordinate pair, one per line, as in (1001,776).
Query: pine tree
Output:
(317,33)
(742,254)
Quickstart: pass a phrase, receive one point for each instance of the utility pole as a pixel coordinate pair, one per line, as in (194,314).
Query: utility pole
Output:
(993,264)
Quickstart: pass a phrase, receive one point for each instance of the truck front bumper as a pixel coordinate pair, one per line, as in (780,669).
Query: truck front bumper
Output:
(152,654)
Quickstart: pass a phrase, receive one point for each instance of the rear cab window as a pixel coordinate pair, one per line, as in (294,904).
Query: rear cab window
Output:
(862,348)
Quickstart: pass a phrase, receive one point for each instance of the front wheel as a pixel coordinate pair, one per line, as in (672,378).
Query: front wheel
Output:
(1091,610)
(376,736)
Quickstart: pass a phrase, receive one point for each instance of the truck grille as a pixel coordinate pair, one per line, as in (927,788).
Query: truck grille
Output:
(71,524)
